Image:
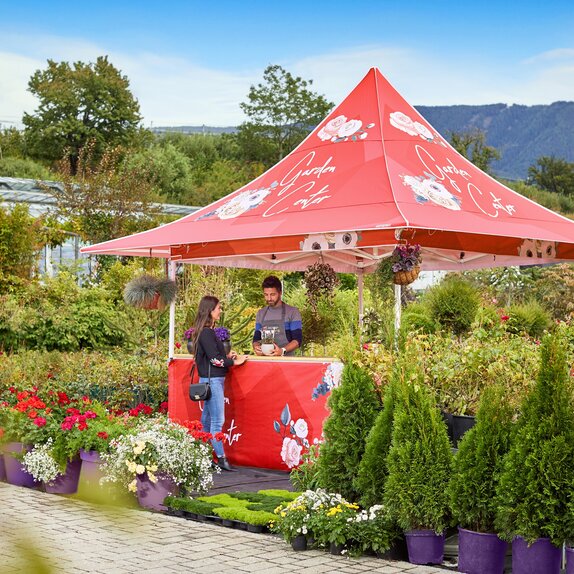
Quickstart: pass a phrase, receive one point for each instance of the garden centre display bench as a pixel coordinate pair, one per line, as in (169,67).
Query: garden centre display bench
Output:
(275,407)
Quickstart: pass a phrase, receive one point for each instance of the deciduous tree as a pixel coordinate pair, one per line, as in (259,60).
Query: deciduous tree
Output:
(281,111)
(78,103)
(553,174)
(472,145)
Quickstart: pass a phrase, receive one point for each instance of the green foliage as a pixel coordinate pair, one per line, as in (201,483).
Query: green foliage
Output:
(553,174)
(20,238)
(60,315)
(255,517)
(417,317)
(305,476)
(372,475)
(77,104)
(419,460)
(535,485)
(458,370)
(190,505)
(453,304)
(354,406)
(280,112)
(555,201)
(477,465)
(24,168)
(472,145)
(12,144)
(120,378)
(530,318)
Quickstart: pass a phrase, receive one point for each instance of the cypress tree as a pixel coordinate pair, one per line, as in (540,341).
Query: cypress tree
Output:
(419,460)
(370,482)
(354,406)
(477,465)
(536,483)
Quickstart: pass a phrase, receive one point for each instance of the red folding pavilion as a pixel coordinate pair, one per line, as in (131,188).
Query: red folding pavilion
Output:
(372,172)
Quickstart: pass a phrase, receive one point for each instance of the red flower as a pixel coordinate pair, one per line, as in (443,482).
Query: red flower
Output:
(49,376)
(40,421)
(1,432)
(22,395)
(63,399)
(103,434)
(504,317)
(82,426)
(32,414)
(12,389)
(178,345)
(67,424)
(220,436)
(163,407)
(90,415)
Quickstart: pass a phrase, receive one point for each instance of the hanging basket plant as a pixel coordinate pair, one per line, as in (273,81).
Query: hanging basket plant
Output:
(320,281)
(402,267)
(149,292)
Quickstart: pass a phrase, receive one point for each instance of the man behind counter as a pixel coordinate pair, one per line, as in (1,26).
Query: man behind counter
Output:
(279,317)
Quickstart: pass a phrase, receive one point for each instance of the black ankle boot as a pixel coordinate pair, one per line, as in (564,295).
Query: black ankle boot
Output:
(223,463)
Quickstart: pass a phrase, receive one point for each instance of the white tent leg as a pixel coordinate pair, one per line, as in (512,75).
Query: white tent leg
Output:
(361,302)
(397,315)
(171,275)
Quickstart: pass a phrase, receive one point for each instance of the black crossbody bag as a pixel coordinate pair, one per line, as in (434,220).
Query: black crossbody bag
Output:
(200,391)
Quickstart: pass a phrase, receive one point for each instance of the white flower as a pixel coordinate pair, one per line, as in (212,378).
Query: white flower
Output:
(152,477)
(329,130)
(301,428)
(140,469)
(40,463)
(133,486)
(349,128)
(423,131)
(404,123)
(291,452)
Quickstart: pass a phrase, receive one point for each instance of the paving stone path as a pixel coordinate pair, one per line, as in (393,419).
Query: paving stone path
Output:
(74,536)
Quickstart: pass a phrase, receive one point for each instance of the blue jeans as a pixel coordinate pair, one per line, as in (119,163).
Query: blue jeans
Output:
(213,415)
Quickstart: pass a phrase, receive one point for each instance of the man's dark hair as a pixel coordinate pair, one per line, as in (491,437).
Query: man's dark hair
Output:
(272,282)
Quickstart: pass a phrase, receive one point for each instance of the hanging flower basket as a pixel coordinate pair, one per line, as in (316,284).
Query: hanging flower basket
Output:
(406,277)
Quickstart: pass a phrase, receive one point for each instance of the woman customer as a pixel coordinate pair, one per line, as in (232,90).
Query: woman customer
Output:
(212,365)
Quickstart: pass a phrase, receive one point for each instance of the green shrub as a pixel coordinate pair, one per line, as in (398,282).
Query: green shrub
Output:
(417,317)
(354,406)
(372,475)
(535,485)
(453,304)
(477,464)
(285,494)
(419,460)
(530,318)
(305,476)
(257,518)
(191,505)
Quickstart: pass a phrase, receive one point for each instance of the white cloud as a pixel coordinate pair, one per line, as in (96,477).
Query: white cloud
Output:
(176,91)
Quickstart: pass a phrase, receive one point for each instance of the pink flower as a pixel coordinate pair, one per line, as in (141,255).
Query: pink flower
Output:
(39,421)
(291,452)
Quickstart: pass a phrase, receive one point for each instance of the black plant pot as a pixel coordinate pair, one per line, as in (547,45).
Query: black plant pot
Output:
(227,346)
(228,523)
(460,424)
(299,543)
(335,548)
(447,417)
(257,528)
(397,551)
(189,345)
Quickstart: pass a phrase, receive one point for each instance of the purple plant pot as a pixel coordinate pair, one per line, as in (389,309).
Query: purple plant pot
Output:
(16,474)
(151,495)
(2,468)
(66,483)
(91,467)
(541,557)
(425,546)
(569,560)
(480,552)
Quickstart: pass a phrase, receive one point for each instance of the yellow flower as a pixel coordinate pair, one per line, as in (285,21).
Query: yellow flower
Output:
(132,487)
(140,469)
(283,514)
(152,477)
(152,467)
(131,465)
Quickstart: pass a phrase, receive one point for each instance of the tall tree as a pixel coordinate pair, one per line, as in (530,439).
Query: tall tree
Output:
(79,103)
(281,111)
(472,145)
(553,174)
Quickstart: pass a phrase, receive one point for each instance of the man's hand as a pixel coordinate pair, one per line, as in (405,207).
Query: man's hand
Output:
(277,351)
(257,349)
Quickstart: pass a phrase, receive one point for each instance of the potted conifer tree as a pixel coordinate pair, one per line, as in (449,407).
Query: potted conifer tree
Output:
(472,489)
(419,466)
(535,485)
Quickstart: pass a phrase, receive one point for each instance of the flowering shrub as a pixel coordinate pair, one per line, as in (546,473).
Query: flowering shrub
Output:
(372,529)
(222,333)
(159,446)
(41,464)
(321,513)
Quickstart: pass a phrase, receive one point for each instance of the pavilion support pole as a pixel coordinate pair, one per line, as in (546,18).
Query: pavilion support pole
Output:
(397,315)
(360,285)
(171,275)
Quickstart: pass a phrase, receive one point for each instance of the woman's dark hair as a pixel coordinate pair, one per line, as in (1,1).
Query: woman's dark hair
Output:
(272,282)
(203,317)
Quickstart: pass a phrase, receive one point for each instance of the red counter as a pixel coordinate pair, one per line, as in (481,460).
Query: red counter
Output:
(275,407)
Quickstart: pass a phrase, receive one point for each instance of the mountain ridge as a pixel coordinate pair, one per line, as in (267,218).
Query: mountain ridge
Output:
(521,134)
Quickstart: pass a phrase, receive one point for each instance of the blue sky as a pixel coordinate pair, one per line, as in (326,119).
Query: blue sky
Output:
(191,63)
